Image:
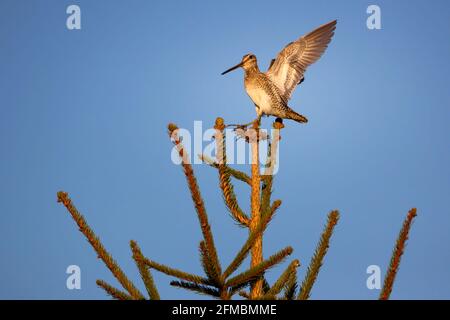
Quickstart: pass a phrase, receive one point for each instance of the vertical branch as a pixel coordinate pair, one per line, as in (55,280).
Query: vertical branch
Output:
(112,265)
(255,201)
(267,179)
(397,255)
(196,197)
(207,265)
(319,254)
(275,140)
(267,182)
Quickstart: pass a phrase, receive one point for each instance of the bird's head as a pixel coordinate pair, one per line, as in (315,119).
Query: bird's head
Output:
(248,62)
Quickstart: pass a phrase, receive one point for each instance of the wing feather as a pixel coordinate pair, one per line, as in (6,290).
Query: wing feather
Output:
(290,65)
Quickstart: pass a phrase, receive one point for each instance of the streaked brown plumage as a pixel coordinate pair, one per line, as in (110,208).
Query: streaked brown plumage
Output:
(270,91)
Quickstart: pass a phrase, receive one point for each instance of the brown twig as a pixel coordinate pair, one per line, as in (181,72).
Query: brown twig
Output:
(317,258)
(196,197)
(112,265)
(397,255)
(282,280)
(113,292)
(208,266)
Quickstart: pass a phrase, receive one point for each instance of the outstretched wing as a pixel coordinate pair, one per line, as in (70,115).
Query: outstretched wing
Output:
(288,68)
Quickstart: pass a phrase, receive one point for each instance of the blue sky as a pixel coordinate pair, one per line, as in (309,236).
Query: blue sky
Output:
(85,111)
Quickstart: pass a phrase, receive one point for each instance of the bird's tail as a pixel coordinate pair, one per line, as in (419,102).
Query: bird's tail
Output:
(297,117)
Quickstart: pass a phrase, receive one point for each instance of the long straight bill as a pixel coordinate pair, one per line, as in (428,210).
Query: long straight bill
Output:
(232,68)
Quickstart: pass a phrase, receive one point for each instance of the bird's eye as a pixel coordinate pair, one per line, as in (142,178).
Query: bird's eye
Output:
(252,57)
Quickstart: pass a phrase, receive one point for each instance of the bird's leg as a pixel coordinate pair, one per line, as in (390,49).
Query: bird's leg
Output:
(241,129)
(259,113)
(259,119)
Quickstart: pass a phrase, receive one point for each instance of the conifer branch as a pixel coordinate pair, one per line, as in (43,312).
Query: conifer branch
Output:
(96,244)
(175,272)
(196,197)
(267,177)
(273,150)
(224,176)
(237,174)
(196,288)
(283,279)
(317,258)
(397,255)
(208,266)
(272,210)
(144,271)
(266,193)
(266,189)
(113,292)
(291,287)
(258,270)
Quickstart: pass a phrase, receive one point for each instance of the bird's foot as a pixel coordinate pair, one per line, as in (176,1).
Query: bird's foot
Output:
(243,131)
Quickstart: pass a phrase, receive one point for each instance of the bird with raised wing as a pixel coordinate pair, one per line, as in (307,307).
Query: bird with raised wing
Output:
(270,91)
